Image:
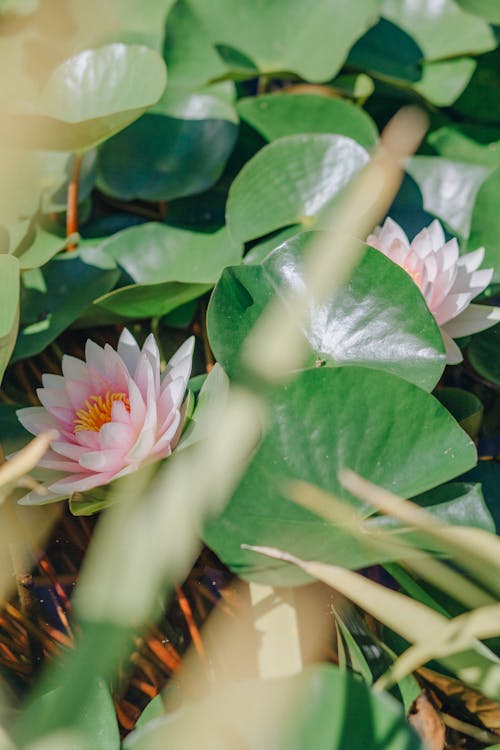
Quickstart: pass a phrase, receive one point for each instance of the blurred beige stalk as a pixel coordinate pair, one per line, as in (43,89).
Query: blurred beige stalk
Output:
(22,533)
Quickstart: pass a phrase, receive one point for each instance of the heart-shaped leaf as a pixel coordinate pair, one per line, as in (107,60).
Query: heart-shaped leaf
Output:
(289,182)
(277,115)
(382,427)
(380,320)
(287,35)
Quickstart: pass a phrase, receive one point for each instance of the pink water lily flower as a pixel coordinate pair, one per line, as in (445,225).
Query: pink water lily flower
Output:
(113,413)
(447,281)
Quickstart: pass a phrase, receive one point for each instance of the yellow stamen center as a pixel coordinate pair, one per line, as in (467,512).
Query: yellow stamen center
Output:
(97,411)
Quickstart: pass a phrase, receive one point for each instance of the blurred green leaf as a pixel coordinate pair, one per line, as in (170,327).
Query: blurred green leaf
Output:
(287,35)
(290,181)
(488,9)
(484,354)
(485,222)
(44,246)
(56,168)
(278,115)
(366,719)
(453,144)
(441,29)
(96,723)
(9,307)
(443,81)
(477,103)
(380,303)
(464,406)
(388,50)
(13,436)
(53,298)
(191,57)
(211,401)
(91,96)
(380,426)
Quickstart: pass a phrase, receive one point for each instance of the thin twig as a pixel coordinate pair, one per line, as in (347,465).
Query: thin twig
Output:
(72,208)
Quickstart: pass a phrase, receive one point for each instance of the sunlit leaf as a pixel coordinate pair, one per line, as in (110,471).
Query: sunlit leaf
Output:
(277,115)
(91,96)
(320,422)
(290,181)
(343,330)
(287,35)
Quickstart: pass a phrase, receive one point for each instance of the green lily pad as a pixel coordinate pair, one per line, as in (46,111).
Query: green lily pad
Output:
(382,427)
(43,247)
(361,718)
(91,96)
(191,57)
(443,81)
(381,303)
(485,222)
(454,144)
(441,29)
(449,188)
(476,102)
(290,181)
(53,297)
(287,35)
(388,50)
(168,266)
(96,723)
(162,157)
(278,115)
(488,9)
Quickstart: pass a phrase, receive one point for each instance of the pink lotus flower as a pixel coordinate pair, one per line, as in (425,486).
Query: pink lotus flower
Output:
(113,413)
(448,282)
